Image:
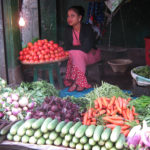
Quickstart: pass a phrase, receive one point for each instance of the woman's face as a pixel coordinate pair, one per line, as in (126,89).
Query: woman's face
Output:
(73,18)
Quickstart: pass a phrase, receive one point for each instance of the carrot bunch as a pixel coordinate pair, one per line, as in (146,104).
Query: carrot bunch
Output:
(116,112)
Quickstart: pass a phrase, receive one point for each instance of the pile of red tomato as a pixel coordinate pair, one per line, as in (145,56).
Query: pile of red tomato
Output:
(42,51)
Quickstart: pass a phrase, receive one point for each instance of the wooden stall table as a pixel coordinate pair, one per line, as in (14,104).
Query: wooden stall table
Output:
(49,66)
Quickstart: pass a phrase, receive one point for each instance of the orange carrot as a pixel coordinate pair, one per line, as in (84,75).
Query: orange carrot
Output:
(104,101)
(96,103)
(114,112)
(120,102)
(125,127)
(131,117)
(117,105)
(88,122)
(124,114)
(100,103)
(116,117)
(128,113)
(124,104)
(116,122)
(108,112)
(90,113)
(102,112)
(85,118)
(112,101)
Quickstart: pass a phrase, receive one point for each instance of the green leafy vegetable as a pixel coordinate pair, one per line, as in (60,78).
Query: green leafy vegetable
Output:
(143,71)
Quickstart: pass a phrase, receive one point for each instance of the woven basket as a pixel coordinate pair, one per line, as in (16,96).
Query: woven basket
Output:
(119,65)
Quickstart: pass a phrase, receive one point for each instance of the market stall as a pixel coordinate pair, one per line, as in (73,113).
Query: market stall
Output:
(105,118)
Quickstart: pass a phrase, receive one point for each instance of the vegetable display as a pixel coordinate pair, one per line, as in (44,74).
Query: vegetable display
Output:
(67,134)
(111,112)
(42,51)
(55,107)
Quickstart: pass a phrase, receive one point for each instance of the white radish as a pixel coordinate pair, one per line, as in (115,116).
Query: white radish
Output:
(25,108)
(16,104)
(12,118)
(23,101)
(15,97)
(15,111)
(9,100)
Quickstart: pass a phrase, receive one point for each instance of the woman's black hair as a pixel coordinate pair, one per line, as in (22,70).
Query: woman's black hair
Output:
(79,10)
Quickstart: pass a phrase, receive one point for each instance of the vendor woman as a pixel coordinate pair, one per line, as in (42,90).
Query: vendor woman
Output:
(79,41)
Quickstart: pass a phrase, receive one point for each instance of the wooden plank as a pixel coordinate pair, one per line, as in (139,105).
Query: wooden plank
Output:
(35,146)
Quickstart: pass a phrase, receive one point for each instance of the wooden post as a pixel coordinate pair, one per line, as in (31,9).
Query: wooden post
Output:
(12,40)
(3,72)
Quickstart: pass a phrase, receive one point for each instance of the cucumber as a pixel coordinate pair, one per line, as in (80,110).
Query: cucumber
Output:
(25,139)
(32,140)
(53,135)
(108,144)
(38,123)
(115,134)
(62,135)
(96,147)
(17,138)
(46,135)
(49,142)
(75,140)
(101,142)
(14,128)
(81,131)
(30,132)
(97,133)
(120,142)
(58,141)
(45,124)
(103,148)
(74,128)
(87,147)
(21,131)
(6,129)
(79,146)
(28,123)
(65,143)
(84,140)
(72,145)
(91,141)
(65,129)
(68,137)
(90,131)
(52,125)
(60,126)
(106,134)
(37,133)
(9,137)
(41,141)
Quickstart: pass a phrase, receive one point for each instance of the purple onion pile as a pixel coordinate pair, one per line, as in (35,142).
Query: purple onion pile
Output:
(57,108)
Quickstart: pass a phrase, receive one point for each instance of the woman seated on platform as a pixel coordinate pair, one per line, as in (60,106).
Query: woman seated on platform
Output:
(79,41)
